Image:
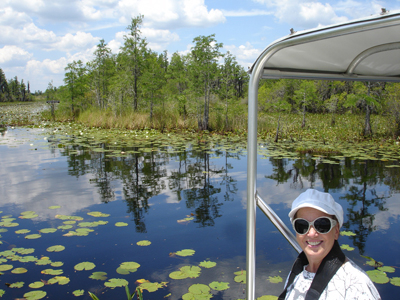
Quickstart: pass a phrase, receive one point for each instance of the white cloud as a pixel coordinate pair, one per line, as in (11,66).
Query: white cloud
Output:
(170,13)
(245,54)
(78,41)
(303,14)
(14,54)
(246,13)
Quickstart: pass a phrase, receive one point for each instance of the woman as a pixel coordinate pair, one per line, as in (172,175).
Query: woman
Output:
(322,271)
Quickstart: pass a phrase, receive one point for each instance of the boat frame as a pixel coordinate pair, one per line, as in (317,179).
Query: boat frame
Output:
(370,52)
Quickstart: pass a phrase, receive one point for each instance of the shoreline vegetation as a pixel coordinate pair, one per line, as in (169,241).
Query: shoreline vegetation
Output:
(205,92)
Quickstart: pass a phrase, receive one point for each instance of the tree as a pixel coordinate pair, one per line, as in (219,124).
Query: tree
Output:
(305,96)
(132,58)
(102,69)
(75,81)
(3,87)
(204,67)
(178,81)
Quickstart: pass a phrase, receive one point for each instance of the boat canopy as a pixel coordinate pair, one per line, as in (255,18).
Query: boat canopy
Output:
(366,49)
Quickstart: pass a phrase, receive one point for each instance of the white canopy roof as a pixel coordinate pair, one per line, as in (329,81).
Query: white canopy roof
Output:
(364,49)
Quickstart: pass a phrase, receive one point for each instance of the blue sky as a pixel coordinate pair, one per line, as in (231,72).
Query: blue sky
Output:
(38,38)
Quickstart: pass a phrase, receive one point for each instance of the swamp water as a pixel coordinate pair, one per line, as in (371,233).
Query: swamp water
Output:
(89,210)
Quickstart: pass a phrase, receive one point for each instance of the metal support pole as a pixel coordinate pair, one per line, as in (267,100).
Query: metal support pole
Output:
(251,187)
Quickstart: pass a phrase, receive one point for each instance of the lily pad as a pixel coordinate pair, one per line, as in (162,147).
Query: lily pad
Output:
(121,224)
(77,293)
(86,265)
(152,286)
(33,236)
(143,243)
(267,297)
(98,275)
(219,286)
(115,282)
(48,230)
(56,248)
(185,252)
(378,276)
(5,267)
(19,271)
(54,206)
(347,233)
(186,272)
(52,271)
(61,280)
(240,276)
(395,281)
(97,214)
(28,215)
(35,295)
(346,247)
(387,269)
(22,231)
(36,285)
(275,279)
(207,264)
(17,285)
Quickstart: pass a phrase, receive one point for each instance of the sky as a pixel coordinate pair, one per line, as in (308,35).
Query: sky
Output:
(38,38)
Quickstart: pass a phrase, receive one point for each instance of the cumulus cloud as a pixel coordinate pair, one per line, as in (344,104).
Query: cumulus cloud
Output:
(303,14)
(245,54)
(170,13)
(246,13)
(14,54)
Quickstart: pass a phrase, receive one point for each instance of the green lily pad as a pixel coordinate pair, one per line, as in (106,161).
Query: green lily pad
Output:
(35,295)
(86,265)
(347,233)
(36,285)
(78,293)
(5,267)
(267,297)
(56,248)
(64,227)
(115,282)
(207,264)
(152,286)
(275,279)
(33,236)
(186,272)
(185,252)
(129,265)
(98,275)
(378,276)
(387,269)
(240,277)
(48,230)
(395,281)
(57,264)
(54,206)
(97,214)
(29,258)
(61,280)
(143,243)
(121,224)
(52,272)
(346,247)
(19,271)
(22,231)
(17,285)
(28,215)
(197,291)
(219,286)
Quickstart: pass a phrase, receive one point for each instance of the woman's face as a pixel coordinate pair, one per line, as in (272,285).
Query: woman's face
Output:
(315,245)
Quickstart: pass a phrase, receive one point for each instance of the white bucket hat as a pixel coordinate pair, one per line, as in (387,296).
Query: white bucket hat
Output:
(318,200)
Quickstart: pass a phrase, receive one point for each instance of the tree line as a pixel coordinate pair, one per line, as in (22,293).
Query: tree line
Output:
(13,90)
(203,83)
(141,80)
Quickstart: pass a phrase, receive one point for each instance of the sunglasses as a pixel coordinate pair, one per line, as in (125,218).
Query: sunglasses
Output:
(321,225)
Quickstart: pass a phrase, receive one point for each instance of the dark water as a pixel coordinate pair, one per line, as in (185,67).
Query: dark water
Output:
(154,191)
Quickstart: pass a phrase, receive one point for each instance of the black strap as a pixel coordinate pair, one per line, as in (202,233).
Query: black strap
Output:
(328,268)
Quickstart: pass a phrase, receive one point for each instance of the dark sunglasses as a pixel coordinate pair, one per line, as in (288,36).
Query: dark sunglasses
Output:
(321,225)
